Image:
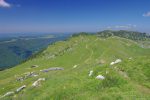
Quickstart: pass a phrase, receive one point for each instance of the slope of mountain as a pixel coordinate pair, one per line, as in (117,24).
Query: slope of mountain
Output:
(15,49)
(126,80)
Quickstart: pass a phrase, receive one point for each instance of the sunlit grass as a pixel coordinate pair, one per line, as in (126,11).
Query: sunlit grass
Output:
(88,53)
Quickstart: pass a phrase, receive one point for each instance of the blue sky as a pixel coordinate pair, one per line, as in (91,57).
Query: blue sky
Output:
(73,15)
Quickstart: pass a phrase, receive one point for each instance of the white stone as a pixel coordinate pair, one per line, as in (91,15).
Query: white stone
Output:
(52,69)
(112,63)
(21,88)
(8,94)
(100,77)
(34,66)
(91,73)
(35,75)
(75,66)
(36,83)
(117,61)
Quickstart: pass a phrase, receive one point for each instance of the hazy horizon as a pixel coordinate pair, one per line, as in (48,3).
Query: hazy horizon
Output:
(61,16)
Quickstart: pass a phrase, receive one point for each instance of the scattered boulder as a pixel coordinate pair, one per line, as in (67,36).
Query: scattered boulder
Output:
(100,77)
(20,79)
(115,62)
(75,66)
(30,74)
(118,61)
(27,75)
(37,83)
(91,73)
(34,66)
(35,75)
(112,63)
(8,94)
(52,69)
(21,88)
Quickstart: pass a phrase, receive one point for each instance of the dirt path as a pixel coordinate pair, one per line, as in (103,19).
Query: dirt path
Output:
(91,50)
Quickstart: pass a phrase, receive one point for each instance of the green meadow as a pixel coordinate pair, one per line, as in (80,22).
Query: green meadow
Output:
(127,80)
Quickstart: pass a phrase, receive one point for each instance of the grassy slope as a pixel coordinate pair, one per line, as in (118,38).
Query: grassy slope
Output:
(89,53)
(14,52)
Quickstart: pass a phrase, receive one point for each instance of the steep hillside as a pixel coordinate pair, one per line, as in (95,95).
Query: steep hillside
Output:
(14,50)
(123,67)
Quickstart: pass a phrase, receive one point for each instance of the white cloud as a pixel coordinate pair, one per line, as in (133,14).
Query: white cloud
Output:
(109,27)
(123,26)
(129,26)
(3,3)
(147,14)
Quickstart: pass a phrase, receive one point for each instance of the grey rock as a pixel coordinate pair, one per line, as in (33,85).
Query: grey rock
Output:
(52,69)
(21,88)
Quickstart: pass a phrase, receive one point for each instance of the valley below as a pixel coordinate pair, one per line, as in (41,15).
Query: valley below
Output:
(16,48)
